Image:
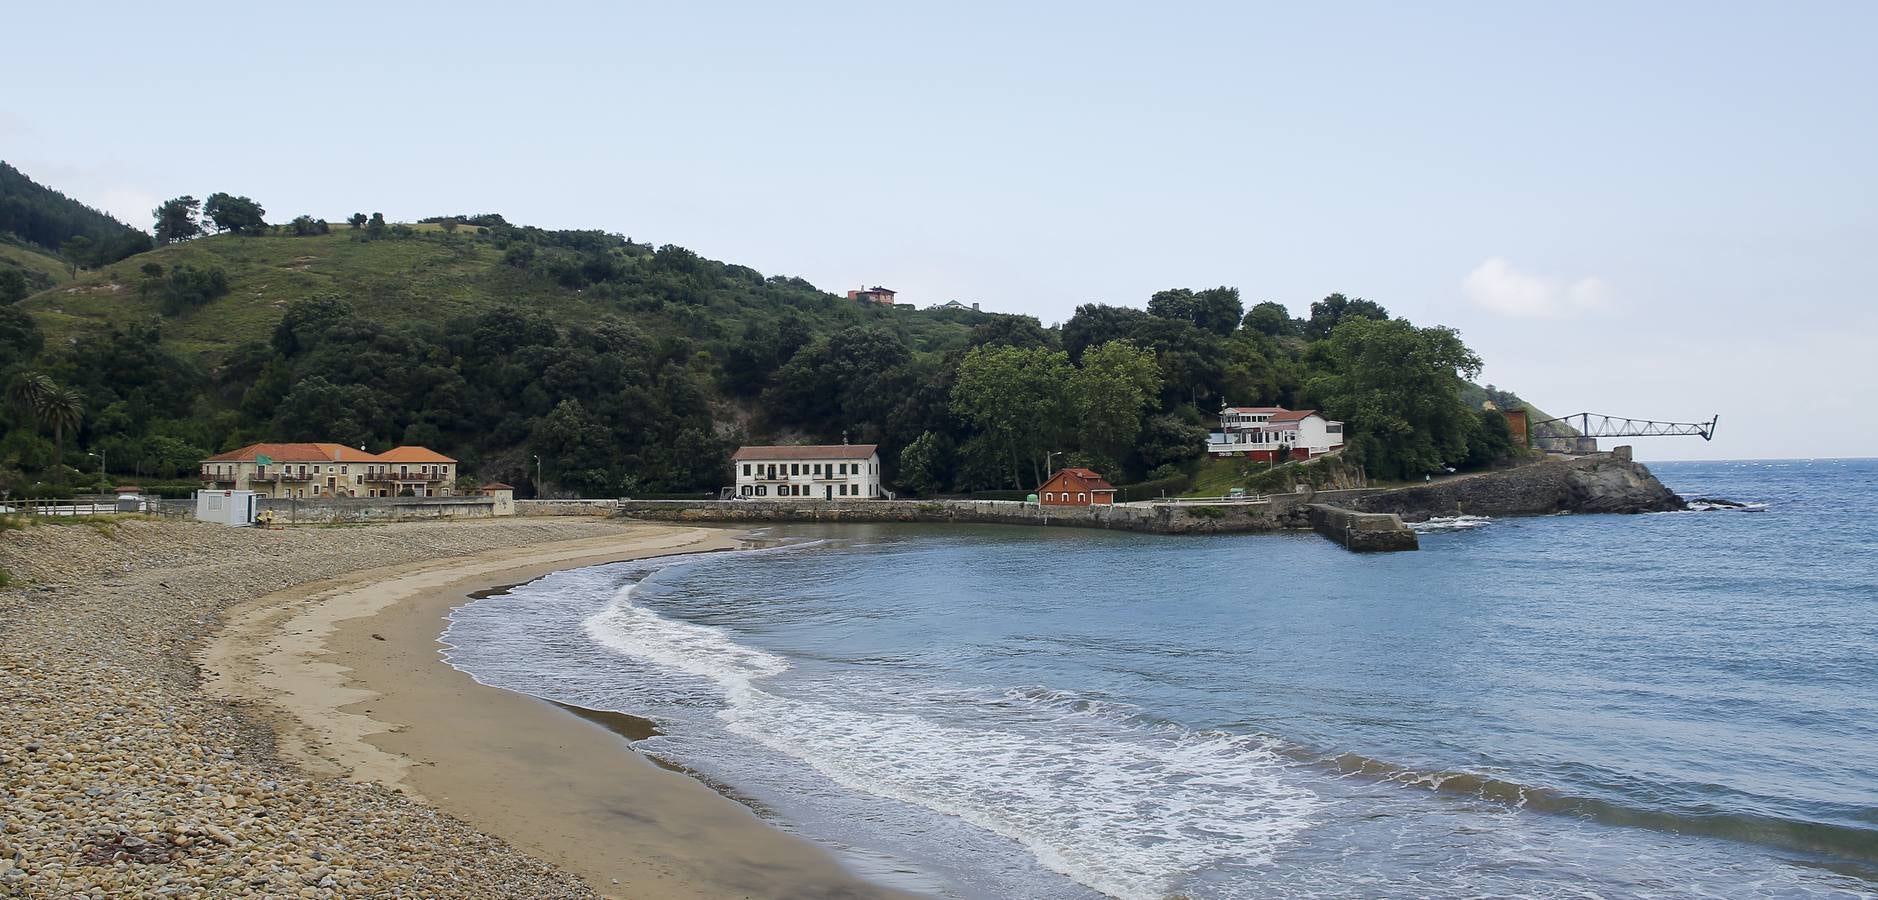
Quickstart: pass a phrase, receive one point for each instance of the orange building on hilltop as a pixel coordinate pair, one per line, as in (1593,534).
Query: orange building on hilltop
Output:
(1076,487)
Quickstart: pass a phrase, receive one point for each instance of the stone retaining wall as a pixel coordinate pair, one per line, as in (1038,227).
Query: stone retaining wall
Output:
(566,507)
(341,510)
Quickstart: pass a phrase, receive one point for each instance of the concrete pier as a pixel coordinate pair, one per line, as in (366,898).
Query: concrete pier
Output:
(1361,532)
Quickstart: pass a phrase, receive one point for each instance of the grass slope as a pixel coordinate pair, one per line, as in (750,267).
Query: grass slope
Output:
(34,262)
(426,278)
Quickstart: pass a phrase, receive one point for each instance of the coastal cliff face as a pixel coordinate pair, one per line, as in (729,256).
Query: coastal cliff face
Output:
(1605,483)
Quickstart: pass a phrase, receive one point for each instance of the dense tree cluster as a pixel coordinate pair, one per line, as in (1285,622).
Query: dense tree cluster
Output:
(38,215)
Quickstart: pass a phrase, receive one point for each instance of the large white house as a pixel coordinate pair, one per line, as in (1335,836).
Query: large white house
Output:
(821,472)
(1258,431)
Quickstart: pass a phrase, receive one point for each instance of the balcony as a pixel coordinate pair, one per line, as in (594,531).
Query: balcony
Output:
(278,477)
(405,477)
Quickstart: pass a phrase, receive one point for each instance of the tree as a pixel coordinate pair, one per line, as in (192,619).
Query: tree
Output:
(1273,320)
(1011,331)
(77,250)
(237,214)
(1099,323)
(1217,310)
(187,287)
(375,228)
(1397,389)
(25,391)
(924,465)
(1334,310)
(176,220)
(1114,387)
(62,409)
(307,226)
(20,338)
(356,220)
(13,285)
(1018,396)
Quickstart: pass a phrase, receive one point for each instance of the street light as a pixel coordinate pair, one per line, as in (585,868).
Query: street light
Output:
(99,453)
(537,476)
(1046,460)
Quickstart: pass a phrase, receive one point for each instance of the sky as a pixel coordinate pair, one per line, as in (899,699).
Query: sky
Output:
(1661,210)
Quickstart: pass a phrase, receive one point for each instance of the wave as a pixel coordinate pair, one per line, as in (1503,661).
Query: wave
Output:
(1826,839)
(1450,523)
(1120,806)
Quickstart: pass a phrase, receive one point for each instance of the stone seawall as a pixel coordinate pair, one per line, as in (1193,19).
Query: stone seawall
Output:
(1605,483)
(1224,518)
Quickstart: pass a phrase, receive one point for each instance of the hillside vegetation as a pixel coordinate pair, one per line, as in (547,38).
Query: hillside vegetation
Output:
(625,368)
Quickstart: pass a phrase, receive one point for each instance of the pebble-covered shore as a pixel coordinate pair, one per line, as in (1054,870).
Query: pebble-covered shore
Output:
(119,778)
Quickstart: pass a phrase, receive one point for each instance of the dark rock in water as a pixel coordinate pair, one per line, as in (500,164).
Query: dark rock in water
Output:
(1605,483)
(1716,503)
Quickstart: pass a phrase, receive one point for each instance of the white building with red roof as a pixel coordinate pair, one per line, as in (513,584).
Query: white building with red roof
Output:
(1257,432)
(324,469)
(809,471)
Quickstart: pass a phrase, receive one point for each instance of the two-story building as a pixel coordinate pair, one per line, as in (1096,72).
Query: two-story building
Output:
(330,470)
(821,472)
(1076,487)
(877,295)
(1257,432)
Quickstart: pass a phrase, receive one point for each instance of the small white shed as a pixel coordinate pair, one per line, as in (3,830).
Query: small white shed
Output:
(233,508)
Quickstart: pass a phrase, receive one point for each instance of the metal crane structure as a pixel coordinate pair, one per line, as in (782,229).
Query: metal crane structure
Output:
(1590,426)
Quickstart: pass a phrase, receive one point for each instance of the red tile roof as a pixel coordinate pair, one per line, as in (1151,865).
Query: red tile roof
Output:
(1293,415)
(805,451)
(411,454)
(326,452)
(1087,479)
(497,486)
(303,452)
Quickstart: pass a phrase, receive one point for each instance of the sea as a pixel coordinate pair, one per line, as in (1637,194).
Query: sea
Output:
(1663,705)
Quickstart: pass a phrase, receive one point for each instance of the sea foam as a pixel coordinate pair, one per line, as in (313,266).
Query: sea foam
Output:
(1124,807)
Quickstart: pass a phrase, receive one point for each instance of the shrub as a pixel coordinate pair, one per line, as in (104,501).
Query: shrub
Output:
(1150,490)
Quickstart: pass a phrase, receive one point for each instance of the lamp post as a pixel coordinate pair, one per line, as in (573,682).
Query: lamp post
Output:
(1047,471)
(99,453)
(537,476)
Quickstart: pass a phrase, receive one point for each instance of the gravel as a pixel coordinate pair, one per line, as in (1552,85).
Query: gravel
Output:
(120,778)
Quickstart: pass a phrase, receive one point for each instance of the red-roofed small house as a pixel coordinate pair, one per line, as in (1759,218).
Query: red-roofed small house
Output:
(1076,487)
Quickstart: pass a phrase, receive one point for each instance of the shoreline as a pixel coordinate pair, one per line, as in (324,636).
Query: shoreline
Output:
(355,686)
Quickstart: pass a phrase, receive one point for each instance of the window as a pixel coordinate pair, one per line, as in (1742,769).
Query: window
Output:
(844,490)
(795,469)
(746,468)
(762,490)
(1082,498)
(844,468)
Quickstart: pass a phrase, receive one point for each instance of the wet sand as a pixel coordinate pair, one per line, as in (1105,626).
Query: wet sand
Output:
(349,673)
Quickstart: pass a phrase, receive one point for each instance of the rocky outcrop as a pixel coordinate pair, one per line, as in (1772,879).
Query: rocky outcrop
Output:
(1604,483)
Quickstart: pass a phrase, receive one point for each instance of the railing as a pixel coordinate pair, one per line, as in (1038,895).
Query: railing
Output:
(278,477)
(381,477)
(65,508)
(1209,501)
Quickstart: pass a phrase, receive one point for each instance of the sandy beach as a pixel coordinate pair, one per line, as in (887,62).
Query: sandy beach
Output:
(203,711)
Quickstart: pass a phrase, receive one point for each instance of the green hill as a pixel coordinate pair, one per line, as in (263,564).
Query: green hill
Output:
(618,367)
(430,276)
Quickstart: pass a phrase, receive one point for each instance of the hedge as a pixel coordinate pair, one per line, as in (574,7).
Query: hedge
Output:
(1172,486)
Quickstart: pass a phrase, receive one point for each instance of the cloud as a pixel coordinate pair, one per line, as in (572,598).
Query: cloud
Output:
(1497,286)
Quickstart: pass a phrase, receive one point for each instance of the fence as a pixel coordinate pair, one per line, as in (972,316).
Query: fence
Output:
(77,506)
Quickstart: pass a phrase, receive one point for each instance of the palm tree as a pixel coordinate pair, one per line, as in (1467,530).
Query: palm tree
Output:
(63,409)
(24,393)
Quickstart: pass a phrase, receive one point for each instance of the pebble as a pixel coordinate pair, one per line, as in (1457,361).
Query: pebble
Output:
(122,779)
